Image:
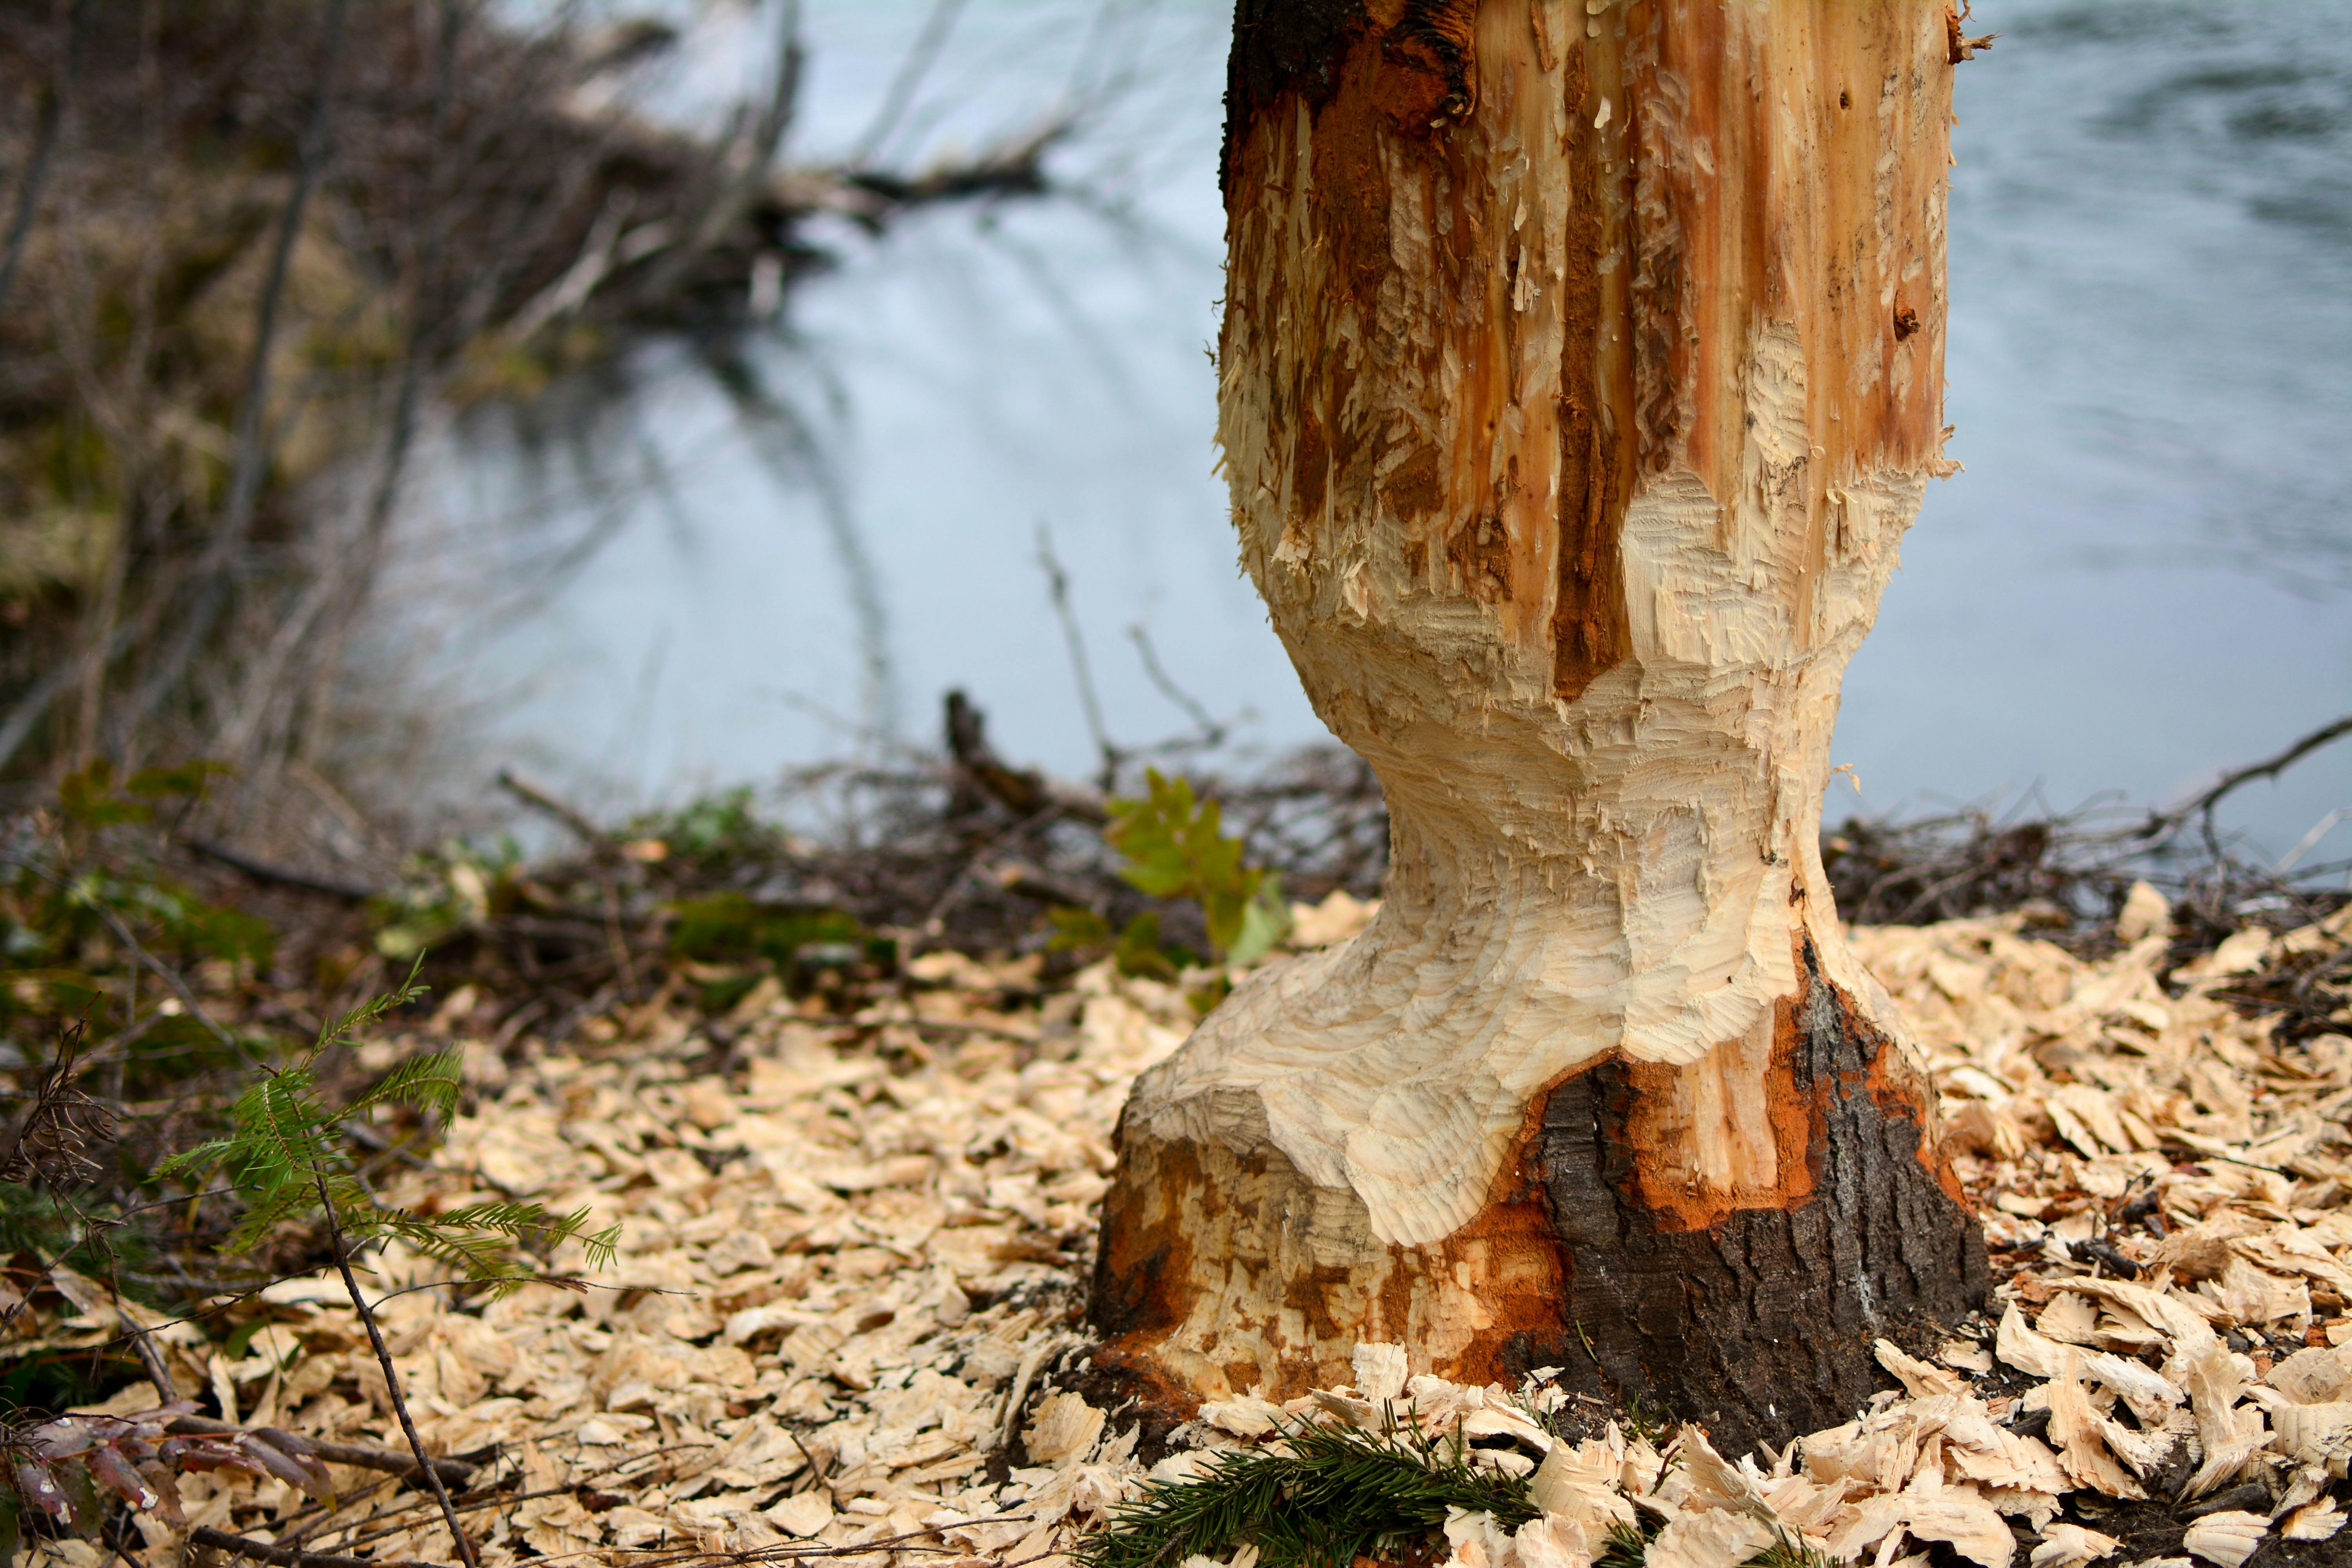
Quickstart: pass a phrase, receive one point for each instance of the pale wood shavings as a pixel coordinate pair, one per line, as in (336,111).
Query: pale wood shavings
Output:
(2071,1546)
(2227,1538)
(848,1271)
(843,1270)
(2312,1522)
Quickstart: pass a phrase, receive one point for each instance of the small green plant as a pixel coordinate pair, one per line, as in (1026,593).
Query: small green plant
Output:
(1644,1421)
(1134,949)
(90,923)
(735,930)
(1320,1498)
(285,1155)
(83,882)
(441,894)
(720,829)
(1175,847)
(1787,1554)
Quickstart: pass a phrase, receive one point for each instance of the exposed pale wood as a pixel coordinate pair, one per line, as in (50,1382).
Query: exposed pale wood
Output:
(1581,369)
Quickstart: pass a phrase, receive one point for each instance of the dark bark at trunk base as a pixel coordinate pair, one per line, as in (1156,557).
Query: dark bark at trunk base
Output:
(1221,1272)
(1760,1325)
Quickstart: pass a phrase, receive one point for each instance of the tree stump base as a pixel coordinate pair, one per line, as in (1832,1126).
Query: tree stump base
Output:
(1225,1270)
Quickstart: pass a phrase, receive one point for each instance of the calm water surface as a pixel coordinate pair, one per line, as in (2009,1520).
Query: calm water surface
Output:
(2144,577)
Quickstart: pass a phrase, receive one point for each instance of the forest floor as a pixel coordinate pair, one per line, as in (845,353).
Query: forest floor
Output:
(845,1316)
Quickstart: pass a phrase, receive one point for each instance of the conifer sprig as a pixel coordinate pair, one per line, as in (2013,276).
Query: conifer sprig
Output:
(1320,1498)
(286,1155)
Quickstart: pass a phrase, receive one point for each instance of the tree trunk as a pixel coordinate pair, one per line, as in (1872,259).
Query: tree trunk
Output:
(1582,364)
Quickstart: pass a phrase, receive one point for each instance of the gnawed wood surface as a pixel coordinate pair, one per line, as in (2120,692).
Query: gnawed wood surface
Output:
(1747,1290)
(1581,369)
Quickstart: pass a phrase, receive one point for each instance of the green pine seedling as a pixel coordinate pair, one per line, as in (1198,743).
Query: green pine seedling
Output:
(1176,847)
(284,1155)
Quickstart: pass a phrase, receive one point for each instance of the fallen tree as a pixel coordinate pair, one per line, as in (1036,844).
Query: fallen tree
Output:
(1580,370)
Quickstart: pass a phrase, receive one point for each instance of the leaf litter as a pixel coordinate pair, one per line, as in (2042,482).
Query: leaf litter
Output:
(843,1319)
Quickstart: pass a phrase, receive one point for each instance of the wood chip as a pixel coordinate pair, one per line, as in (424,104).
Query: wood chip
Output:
(2227,1538)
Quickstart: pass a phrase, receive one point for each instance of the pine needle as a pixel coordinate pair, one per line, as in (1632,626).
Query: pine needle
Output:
(1320,1498)
(1788,1554)
(1628,1545)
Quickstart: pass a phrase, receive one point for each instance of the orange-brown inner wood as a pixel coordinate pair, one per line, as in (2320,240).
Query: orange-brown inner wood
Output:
(1731,166)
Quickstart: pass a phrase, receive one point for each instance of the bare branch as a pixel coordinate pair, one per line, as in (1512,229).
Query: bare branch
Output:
(262,1551)
(277,876)
(359,1455)
(251,461)
(1212,731)
(2268,768)
(45,147)
(541,798)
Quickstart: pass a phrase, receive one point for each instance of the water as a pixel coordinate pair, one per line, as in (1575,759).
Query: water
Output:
(2142,578)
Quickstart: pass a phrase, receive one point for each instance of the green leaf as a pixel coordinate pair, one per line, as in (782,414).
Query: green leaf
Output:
(1173,843)
(1175,846)
(1140,951)
(1076,931)
(1265,920)
(203,1157)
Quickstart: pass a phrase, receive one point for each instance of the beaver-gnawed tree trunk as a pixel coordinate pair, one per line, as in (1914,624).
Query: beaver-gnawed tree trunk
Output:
(1582,364)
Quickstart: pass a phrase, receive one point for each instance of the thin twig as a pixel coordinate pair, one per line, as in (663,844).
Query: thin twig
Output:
(425,333)
(1057,585)
(791,1552)
(163,972)
(277,876)
(167,1390)
(541,798)
(471,1506)
(1212,733)
(391,1375)
(261,1551)
(783,94)
(358,1456)
(908,79)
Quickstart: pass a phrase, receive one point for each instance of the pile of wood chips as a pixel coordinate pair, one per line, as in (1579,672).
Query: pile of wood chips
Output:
(850,1262)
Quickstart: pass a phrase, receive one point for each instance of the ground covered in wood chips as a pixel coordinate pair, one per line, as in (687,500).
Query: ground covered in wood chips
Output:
(845,1316)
